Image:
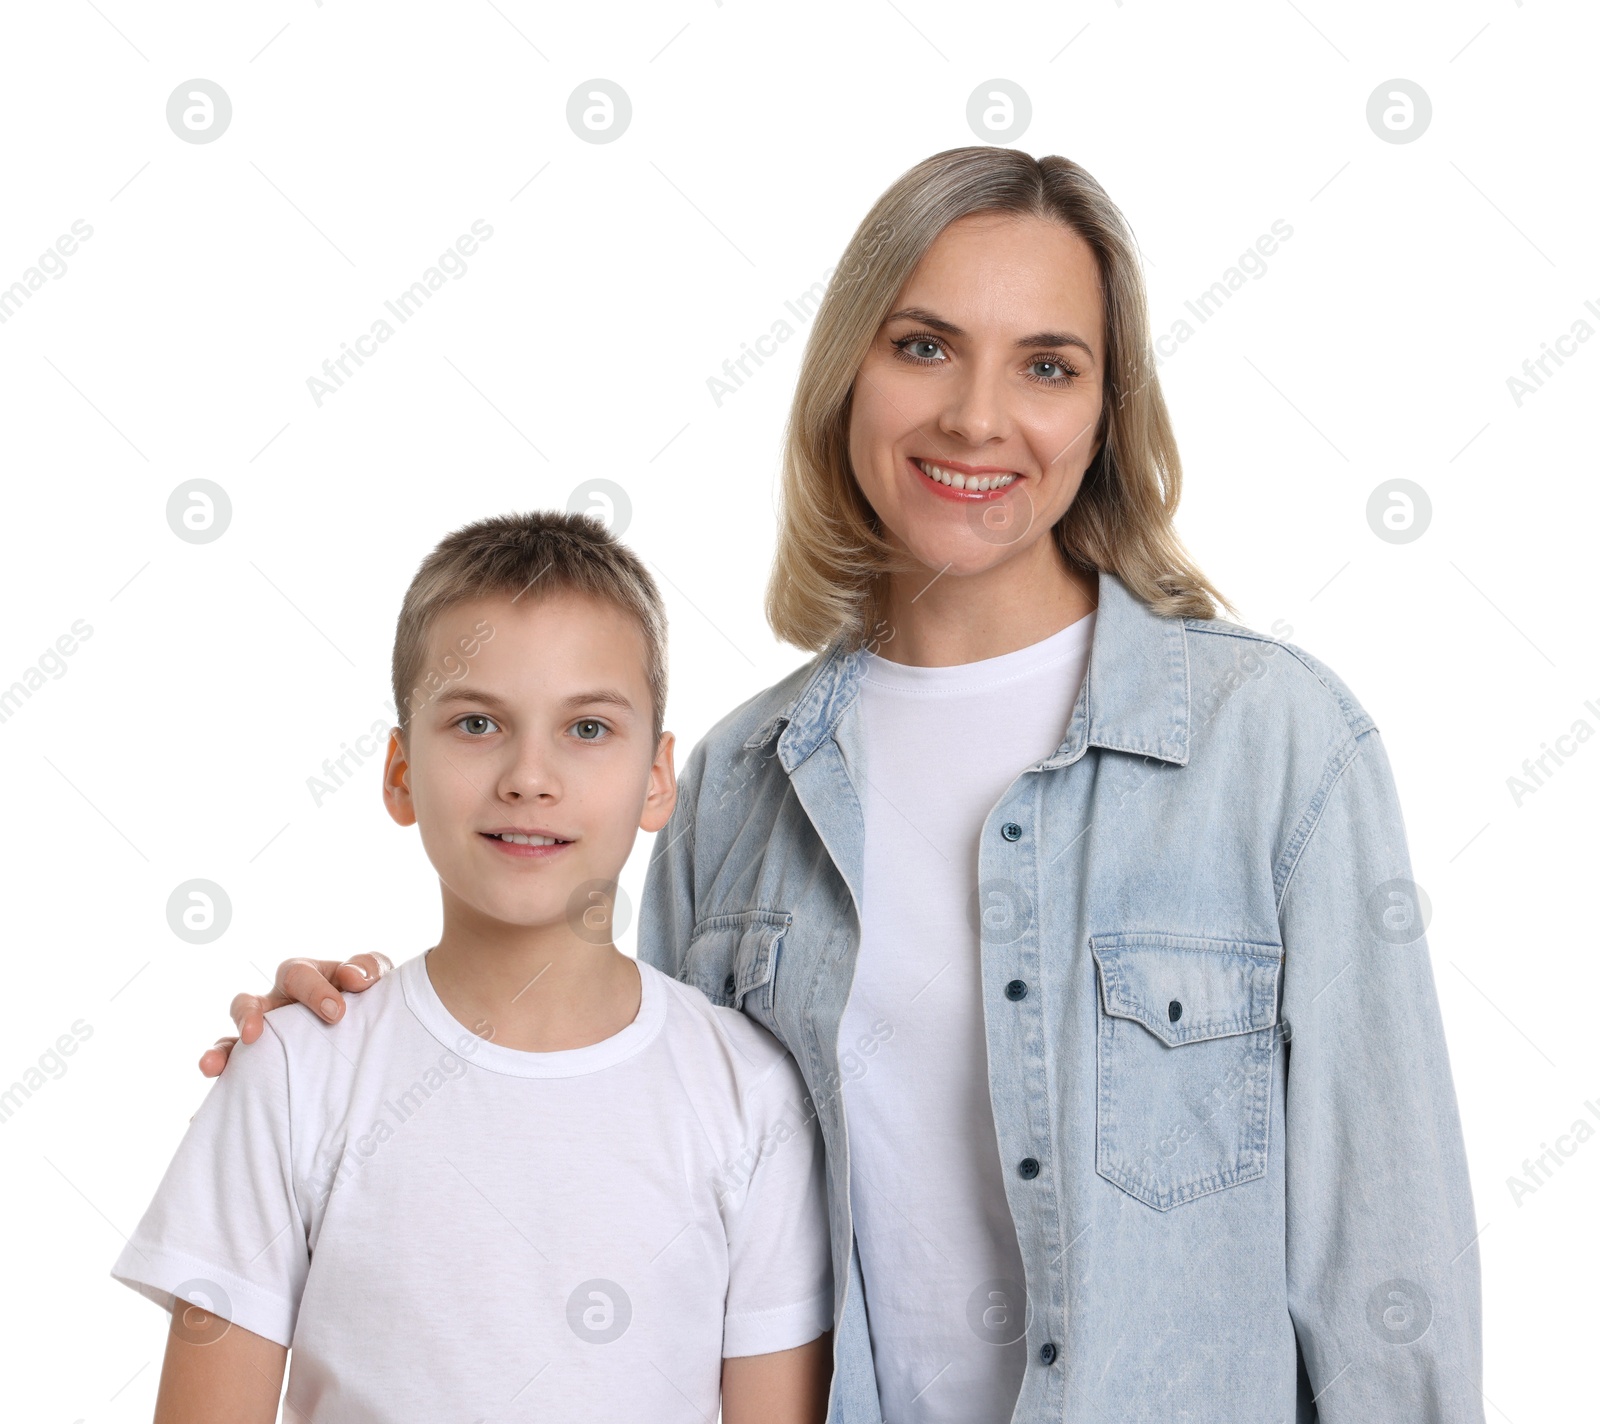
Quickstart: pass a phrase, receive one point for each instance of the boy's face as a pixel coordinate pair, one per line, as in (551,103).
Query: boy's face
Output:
(547,734)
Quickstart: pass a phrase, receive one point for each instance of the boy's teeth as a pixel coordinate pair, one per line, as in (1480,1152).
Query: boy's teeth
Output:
(959,481)
(529,840)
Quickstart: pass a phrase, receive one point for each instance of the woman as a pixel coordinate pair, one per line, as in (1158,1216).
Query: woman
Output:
(1084,913)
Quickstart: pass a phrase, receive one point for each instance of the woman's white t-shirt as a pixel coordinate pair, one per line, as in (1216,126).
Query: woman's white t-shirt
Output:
(939,1254)
(447,1228)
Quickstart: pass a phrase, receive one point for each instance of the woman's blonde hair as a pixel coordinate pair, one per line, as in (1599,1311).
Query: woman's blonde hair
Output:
(832,557)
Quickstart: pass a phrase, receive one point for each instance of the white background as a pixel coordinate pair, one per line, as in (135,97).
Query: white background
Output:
(365,139)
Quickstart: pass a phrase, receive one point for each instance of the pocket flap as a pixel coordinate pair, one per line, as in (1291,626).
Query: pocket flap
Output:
(1184,989)
(740,946)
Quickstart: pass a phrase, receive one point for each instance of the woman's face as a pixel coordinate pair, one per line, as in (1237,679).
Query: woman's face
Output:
(990,367)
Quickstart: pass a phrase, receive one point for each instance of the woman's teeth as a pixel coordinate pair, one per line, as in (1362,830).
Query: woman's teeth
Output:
(956,480)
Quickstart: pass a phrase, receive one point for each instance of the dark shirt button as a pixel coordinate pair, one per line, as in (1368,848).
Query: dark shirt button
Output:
(728,985)
(1047,1353)
(1011,831)
(1016,989)
(1174,1011)
(1029,1167)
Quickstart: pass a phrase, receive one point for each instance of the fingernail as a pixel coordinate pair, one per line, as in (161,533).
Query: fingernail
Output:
(329,1008)
(362,972)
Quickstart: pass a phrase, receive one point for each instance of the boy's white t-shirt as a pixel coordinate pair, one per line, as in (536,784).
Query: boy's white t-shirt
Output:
(443,1228)
(945,1287)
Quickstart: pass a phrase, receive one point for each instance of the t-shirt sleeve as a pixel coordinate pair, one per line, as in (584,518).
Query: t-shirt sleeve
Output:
(780,1271)
(225,1227)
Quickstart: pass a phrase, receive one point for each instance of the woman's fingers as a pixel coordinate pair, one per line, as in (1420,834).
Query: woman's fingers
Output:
(316,983)
(361,971)
(248,1013)
(308,982)
(215,1058)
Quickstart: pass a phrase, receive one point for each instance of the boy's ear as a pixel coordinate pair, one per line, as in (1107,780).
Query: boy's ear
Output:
(662,795)
(397,782)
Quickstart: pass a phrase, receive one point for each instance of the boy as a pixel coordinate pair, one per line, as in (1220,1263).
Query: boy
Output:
(526,1176)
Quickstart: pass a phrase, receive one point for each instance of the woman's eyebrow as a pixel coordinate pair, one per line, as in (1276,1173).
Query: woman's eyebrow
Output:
(927,318)
(949,328)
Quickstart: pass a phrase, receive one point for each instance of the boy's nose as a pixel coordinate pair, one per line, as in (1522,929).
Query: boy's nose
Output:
(528,776)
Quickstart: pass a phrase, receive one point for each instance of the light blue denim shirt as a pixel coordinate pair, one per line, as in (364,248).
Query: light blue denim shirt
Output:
(1224,1107)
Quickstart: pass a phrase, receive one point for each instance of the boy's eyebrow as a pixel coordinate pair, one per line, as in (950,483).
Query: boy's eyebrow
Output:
(608,696)
(949,328)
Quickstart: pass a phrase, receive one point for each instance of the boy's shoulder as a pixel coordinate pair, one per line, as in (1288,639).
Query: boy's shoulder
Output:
(719,1039)
(301,1030)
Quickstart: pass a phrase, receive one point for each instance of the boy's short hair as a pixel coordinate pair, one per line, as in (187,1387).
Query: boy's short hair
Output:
(527,556)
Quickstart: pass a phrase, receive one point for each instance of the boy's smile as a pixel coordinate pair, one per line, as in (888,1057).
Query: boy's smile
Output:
(531,843)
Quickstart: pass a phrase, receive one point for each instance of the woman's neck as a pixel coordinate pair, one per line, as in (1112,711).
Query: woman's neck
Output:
(934,619)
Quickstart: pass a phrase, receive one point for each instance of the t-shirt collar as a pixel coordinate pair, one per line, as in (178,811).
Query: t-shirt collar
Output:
(423,1000)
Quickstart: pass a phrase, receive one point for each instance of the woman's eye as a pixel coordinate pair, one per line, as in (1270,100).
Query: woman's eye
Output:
(920,348)
(475,724)
(1056,374)
(589,730)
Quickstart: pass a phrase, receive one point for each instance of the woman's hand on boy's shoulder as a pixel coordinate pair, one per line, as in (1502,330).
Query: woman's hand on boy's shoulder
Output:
(316,983)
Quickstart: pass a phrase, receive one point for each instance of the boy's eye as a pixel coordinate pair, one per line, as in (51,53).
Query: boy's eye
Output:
(475,724)
(588,729)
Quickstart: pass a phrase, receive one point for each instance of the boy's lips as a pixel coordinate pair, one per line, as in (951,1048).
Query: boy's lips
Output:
(534,844)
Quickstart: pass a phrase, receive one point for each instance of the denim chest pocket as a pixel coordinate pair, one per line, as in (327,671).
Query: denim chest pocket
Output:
(1184,1058)
(733,960)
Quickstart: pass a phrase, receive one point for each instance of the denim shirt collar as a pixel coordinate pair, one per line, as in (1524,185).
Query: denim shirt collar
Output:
(1134,698)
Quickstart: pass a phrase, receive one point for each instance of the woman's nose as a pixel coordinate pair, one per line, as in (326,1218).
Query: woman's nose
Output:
(975,411)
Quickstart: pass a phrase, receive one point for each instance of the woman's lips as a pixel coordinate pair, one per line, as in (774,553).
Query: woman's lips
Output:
(965,496)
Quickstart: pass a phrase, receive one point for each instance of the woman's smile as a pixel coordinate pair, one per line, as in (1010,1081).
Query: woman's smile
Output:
(953,480)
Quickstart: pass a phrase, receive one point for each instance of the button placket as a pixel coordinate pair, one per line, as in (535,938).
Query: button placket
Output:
(1016,990)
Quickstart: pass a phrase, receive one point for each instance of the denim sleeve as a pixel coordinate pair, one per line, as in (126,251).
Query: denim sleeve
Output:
(666,911)
(1383,1277)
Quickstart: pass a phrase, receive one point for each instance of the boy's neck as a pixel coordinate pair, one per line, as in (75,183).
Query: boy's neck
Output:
(540,991)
